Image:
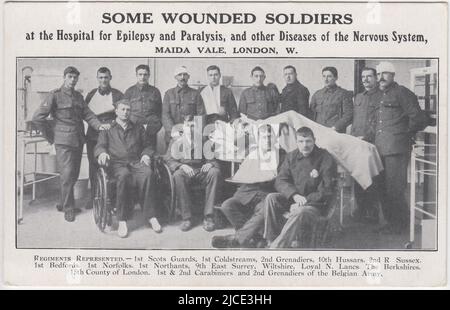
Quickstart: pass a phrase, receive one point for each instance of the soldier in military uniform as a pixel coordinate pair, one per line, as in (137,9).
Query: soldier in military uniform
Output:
(398,118)
(364,108)
(219,100)
(305,187)
(68,109)
(146,105)
(259,101)
(294,96)
(191,167)
(101,101)
(181,103)
(332,105)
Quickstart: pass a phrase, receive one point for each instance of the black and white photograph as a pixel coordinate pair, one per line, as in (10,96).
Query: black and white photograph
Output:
(224,145)
(295,154)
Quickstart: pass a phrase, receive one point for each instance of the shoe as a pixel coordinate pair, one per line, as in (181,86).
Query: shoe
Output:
(261,244)
(208,224)
(108,229)
(69,215)
(186,225)
(77,210)
(155,225)
(295,244)
(59,207)
(222,242)
(122,231)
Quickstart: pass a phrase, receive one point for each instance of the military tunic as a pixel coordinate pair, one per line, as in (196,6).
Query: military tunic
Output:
(259,102)
(311,177)
(295,97)
(68,109)
(146,107)
(364,115)
(332,107)
(398,118)
(178,105)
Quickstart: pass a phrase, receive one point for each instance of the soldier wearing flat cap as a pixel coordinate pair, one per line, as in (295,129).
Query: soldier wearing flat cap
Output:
(68,110)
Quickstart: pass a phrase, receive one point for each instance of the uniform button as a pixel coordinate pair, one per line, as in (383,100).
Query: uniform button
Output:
(381,121)
(381,101)
(379,130)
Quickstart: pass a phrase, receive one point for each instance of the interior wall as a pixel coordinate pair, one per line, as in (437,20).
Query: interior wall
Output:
(47,75)
(402,67)
(309,71)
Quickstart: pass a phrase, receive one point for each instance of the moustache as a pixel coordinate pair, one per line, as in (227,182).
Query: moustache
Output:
(382,80)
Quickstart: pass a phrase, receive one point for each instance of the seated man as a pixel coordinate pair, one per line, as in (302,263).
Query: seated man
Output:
(245,210)
(305,187)
(188,165)
(127,152)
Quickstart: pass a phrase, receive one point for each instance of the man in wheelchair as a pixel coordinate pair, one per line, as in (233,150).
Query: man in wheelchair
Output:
(127,152)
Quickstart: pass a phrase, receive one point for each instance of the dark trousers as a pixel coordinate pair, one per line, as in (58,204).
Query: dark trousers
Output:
(366,200)
(69,161)
(93,165)
(237,213)
(253,227)
(130,177)
(393,181)
(211,181)
(282,230)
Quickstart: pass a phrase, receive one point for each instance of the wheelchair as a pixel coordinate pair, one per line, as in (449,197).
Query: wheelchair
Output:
(104,194)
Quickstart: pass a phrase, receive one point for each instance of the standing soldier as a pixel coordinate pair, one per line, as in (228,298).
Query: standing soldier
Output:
(294,96)
(101,101)
(145,101)
(258,101)
(332,105)
(219,100)
(68,109)
(366,103)
(398,118)
(181,103)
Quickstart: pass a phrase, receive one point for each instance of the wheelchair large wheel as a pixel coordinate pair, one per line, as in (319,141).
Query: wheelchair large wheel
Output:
(166,188)
(101,205)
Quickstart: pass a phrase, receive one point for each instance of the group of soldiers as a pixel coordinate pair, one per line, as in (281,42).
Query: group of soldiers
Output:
(123,130)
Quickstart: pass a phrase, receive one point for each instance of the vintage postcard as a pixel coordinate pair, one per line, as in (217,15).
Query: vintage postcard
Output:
(224,144)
